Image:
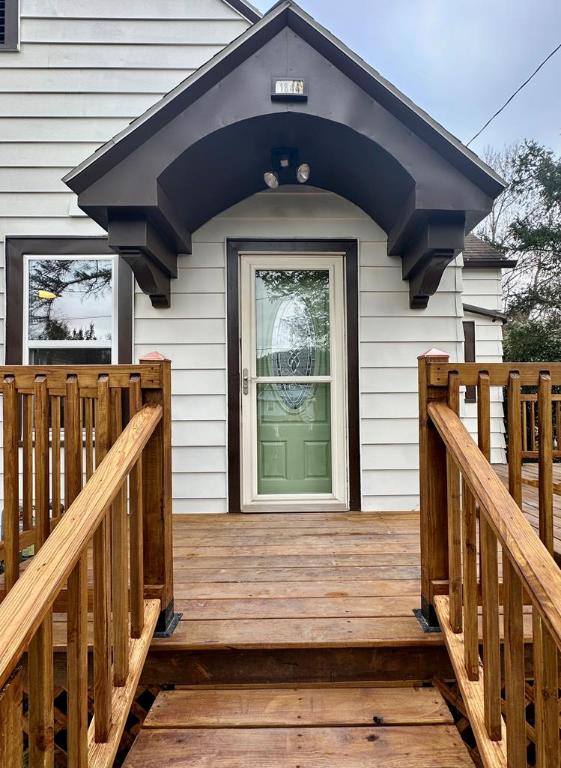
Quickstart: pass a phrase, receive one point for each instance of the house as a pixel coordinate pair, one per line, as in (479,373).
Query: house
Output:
(171,189)
(278,236)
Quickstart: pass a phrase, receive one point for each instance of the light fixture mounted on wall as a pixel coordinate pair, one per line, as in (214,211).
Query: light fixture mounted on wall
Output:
(286,168)
(271,179)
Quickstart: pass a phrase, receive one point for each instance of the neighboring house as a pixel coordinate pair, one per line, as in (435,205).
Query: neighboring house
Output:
(483,329)
(334,285)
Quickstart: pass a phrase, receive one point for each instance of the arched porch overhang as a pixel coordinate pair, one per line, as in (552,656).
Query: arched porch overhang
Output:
(207,144)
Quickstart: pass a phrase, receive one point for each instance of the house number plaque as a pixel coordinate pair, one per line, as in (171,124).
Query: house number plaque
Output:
(289,89)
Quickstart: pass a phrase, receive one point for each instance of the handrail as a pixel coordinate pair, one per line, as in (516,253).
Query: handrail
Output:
(458,485)
(33,595)
(529,556)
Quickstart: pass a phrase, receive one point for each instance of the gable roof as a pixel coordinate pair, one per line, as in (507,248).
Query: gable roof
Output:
(289,13)
(479,253)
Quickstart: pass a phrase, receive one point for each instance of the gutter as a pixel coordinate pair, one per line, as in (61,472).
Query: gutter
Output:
(491,313)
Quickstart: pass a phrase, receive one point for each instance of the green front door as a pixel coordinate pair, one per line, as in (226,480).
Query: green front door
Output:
(290,366)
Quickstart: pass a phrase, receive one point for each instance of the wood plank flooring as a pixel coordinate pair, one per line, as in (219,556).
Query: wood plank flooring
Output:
(294,581)
(288,728)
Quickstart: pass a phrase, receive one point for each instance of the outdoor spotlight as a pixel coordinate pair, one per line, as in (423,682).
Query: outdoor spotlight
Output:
(271,179)
(303,173)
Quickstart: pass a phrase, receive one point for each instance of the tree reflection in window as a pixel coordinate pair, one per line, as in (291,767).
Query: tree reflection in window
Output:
(293,333)
(70,300)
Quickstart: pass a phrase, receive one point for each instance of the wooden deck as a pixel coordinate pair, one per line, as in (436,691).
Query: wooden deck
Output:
(296,598)
(301,597)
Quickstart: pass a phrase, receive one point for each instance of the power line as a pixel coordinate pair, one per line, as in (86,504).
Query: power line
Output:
(516,92)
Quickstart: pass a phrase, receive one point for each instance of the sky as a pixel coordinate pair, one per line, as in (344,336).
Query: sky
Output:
(461,59)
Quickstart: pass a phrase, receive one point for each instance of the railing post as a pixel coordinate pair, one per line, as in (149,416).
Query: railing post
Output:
(433,490)
(157,509)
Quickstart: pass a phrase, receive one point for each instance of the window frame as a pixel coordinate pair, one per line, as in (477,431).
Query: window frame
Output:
(11,42)
(29,344)
(18,252)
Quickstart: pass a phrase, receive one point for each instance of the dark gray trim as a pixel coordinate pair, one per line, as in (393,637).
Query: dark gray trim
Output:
(172,170)
(288,13)
(469,356)
(350,249)
(490,263)
(17,247)
(10,43)
(246,9)
(491,313)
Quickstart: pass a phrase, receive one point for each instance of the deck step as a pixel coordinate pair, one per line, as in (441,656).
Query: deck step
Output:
(353,727)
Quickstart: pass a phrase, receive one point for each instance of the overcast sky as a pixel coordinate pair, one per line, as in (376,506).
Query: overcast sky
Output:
(460,59)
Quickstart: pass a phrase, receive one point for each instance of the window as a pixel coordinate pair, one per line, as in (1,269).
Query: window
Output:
(68,302)
(69,310)
(9,25)
(469,356)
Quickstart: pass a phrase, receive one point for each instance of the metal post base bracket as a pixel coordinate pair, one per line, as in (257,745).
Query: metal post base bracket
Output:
(425,625)
(167,622)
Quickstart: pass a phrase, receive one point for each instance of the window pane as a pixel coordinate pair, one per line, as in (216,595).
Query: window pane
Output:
(70,356)
(70,299)
(292,311)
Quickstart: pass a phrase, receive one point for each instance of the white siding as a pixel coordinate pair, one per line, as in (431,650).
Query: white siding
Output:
(482,288)
(84,71)
(193,334)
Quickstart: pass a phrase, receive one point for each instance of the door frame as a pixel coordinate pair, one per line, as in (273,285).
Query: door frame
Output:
(350,250)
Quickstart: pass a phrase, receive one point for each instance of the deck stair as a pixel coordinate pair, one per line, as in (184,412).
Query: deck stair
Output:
(352,727)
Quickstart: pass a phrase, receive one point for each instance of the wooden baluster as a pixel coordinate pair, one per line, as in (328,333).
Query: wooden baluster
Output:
(545,649)
(470,592)
(55,454)
(558,424)
(545,461)
(454,519)
(27,406)
(42,519)
(89,438)
(524,428)
(489,579)
(77,628)
(135,524)
(40,655)
(532,425)
(513,599)
(119,566)
(11,721)
(11,483)
(103,682)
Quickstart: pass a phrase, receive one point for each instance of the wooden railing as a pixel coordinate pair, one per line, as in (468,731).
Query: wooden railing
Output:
(530,432)
(460,557)
(104,545)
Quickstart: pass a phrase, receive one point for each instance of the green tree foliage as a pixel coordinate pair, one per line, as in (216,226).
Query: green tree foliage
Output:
(528,227)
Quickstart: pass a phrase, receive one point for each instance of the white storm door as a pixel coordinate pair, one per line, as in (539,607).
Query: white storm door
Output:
(293,365)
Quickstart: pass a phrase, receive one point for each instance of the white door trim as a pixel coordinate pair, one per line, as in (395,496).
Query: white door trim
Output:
(251,500)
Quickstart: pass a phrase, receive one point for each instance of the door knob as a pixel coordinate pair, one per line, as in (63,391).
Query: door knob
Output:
(245,381)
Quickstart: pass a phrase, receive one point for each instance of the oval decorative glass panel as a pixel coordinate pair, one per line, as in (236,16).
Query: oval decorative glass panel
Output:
(293,338)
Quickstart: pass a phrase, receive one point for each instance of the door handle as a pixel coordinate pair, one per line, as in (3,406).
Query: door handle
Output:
(245,381)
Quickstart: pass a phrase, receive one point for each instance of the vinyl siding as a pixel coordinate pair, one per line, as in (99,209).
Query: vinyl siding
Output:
(85,70)
(193,333)
(482,288)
